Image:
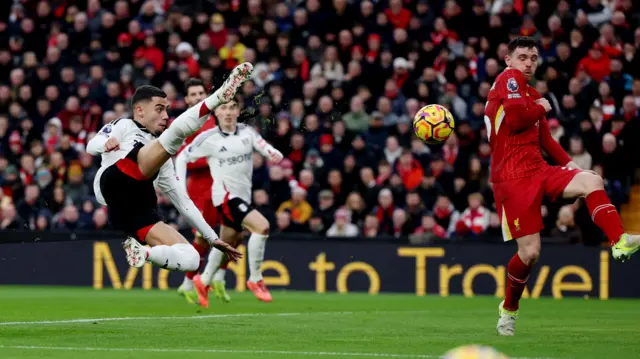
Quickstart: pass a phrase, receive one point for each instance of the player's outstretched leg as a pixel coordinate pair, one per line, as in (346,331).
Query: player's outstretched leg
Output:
(168,250)
(259,228)
(603,213)
(152,156)
(518,271)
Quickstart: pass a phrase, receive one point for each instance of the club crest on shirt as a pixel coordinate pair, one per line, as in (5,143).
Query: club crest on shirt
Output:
(512,85)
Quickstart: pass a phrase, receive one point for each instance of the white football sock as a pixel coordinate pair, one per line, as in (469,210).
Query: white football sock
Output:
(182,257)
(219,276)
(187,124)
(256,247)
(213,263)
(187,284)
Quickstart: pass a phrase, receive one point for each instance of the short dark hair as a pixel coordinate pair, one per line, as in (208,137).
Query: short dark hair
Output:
(146,93)
(521,41)
(193,82)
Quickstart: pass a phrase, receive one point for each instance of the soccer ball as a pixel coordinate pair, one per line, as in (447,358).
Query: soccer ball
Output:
(474,352)
(433,124)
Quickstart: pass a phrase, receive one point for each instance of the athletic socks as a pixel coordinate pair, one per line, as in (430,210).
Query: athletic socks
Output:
(187,283)
(518,274)
(202,251)
(605,215)
(181,257)
(219,276)
(257,244)
(215,259)
(187,124)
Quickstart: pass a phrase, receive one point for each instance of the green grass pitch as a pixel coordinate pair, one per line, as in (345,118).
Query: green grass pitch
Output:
(46,322)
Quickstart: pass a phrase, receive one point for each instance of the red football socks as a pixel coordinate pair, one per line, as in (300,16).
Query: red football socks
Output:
(202,251)
(605,215)
(518,274)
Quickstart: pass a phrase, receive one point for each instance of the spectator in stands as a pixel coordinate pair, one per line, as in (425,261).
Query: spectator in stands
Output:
(298,208)
(342,227)
(565,229)
(10,218)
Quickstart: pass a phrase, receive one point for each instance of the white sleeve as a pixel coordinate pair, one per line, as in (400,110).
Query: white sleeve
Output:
(199,147)
(115,129)
(181,168)
(260,144)
(170,185)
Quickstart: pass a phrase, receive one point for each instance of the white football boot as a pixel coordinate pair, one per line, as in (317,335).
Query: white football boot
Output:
(507,321)
(136,252)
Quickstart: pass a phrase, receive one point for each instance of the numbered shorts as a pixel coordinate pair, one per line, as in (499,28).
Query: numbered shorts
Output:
(131,198)
(232,212)
(519,201)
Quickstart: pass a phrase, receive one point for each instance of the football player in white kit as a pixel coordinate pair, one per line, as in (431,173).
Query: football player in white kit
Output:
(229,150)
(136,157)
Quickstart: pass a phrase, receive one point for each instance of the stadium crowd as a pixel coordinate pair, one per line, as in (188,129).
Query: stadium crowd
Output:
(336,85)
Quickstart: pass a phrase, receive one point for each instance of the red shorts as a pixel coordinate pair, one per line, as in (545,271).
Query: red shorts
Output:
(519,201)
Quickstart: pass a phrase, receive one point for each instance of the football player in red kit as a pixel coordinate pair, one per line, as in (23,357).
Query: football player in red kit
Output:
(518,132)
(199,188)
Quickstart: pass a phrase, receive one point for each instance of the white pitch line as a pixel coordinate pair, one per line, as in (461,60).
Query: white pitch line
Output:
(228,351)
(210,316)
(234,351)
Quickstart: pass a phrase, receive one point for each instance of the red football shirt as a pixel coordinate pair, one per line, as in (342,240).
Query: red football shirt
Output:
(517,129)
(199,179)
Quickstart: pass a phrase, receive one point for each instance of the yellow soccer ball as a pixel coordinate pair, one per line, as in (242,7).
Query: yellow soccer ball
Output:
(433,124)
(474,352)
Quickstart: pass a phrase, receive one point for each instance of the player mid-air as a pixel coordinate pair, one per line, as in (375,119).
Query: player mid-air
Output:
(228,149)
(198,186)
(136,156)
(518,131)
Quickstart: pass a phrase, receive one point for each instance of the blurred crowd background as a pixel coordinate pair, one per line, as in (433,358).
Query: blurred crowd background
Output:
(336,85)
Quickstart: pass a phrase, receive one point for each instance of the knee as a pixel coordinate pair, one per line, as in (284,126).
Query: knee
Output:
(529,253)
(264,230)
(191,259)
(593,183)
(264,227)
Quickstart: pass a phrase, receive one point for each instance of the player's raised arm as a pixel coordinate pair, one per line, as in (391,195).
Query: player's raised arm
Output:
(265,147)
(169,183)
(108,138)
(550,146)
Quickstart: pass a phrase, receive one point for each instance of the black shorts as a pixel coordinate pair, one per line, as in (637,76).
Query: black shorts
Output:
(232,212)
(131,198)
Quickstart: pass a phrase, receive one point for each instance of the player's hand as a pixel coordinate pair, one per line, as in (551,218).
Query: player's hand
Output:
(226,248)
(545,103)
(275,156)
(112,144)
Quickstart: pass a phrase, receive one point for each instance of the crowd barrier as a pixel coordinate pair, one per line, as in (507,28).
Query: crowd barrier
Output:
(316,264)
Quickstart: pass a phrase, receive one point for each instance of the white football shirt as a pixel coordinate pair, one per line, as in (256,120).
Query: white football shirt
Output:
(230,159)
